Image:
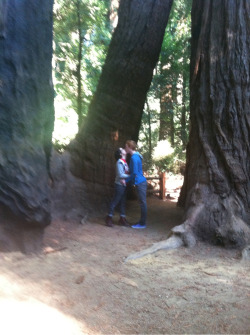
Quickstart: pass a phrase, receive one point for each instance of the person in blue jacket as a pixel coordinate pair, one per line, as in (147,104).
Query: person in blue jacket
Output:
(137,178)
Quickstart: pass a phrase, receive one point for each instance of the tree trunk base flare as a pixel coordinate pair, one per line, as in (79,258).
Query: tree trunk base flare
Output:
(73,198)
(178,237)
(245,254)
(219,221)
(18,235)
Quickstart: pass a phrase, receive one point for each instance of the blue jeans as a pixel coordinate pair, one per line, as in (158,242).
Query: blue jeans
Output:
(142,195)
(119,197)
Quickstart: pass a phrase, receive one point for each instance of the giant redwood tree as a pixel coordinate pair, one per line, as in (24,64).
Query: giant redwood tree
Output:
(26,121)
(115,112)
(217,181)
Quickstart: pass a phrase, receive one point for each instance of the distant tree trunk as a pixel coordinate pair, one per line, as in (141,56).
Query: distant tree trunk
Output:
(149,131)
(79,64)
(26,122)
(217,181)
(166,108)
(184,122)
(171,116)
(117,106)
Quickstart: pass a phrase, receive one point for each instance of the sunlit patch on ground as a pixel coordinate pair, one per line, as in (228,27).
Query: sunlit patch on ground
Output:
(31,317)
(22,314)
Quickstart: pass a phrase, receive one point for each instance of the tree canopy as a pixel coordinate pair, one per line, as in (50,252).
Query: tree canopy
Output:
(172,70)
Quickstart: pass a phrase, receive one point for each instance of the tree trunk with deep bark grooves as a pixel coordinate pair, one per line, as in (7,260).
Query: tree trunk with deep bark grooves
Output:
(217,181)
(26,122)
(116,109)
(166,108)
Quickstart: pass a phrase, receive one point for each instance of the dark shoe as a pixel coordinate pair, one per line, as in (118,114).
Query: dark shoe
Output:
(109,222)
(123,222)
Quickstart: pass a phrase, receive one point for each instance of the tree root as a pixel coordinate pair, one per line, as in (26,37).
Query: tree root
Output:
(180,236)
(173,242)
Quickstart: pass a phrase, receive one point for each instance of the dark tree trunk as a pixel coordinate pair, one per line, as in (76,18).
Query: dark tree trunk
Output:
(167,129)
(171,117)
(217,181)
(183,114)
(78,70)
(116,109)
(26,121)
(149,132)
(166,107)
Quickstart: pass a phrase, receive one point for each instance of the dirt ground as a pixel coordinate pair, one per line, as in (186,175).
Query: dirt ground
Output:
(81,284)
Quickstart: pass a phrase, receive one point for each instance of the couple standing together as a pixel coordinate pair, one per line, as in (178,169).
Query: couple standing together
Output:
(125,175)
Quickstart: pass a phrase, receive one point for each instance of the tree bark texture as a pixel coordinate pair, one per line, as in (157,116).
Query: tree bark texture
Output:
(217,181)
(166,113)
(184,122)
(78,68)
(116,109)
(26,121)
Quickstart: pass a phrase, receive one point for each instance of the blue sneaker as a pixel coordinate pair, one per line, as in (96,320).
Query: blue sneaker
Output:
(139,226)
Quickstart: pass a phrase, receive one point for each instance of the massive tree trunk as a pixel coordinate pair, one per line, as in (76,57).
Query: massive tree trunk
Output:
(217,181)
(116,109)
(26,122)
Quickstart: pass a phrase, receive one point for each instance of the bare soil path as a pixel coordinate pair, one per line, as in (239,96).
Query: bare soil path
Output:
(81,285)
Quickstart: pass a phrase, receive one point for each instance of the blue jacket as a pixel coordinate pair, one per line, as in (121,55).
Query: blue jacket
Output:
(135,167)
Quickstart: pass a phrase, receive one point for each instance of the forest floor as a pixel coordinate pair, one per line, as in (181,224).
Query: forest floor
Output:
(80,284)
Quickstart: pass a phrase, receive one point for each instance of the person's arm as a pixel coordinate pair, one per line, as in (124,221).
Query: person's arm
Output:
(132,170)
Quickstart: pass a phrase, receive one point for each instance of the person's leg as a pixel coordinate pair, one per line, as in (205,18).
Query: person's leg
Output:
(123,220)
(123,202)
(119,190)
(116,198)
(142,195)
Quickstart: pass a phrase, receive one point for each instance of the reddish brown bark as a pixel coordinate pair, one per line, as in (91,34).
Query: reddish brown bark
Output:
(116,109)
(217,182)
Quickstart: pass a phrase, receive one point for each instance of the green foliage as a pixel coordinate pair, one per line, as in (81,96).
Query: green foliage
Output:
(173,162)
(170,86)
(81,39)
(150,121)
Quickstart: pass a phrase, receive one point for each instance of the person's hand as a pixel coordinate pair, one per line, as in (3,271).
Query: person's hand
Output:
(123,182)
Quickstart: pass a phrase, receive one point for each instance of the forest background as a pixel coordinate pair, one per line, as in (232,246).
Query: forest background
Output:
(81,270)
(82,33)
(38,183)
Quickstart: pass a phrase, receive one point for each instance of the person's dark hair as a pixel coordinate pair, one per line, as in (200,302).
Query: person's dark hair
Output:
(118,154)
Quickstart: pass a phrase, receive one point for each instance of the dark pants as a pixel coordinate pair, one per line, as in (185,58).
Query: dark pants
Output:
(142,194)
(119,197)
